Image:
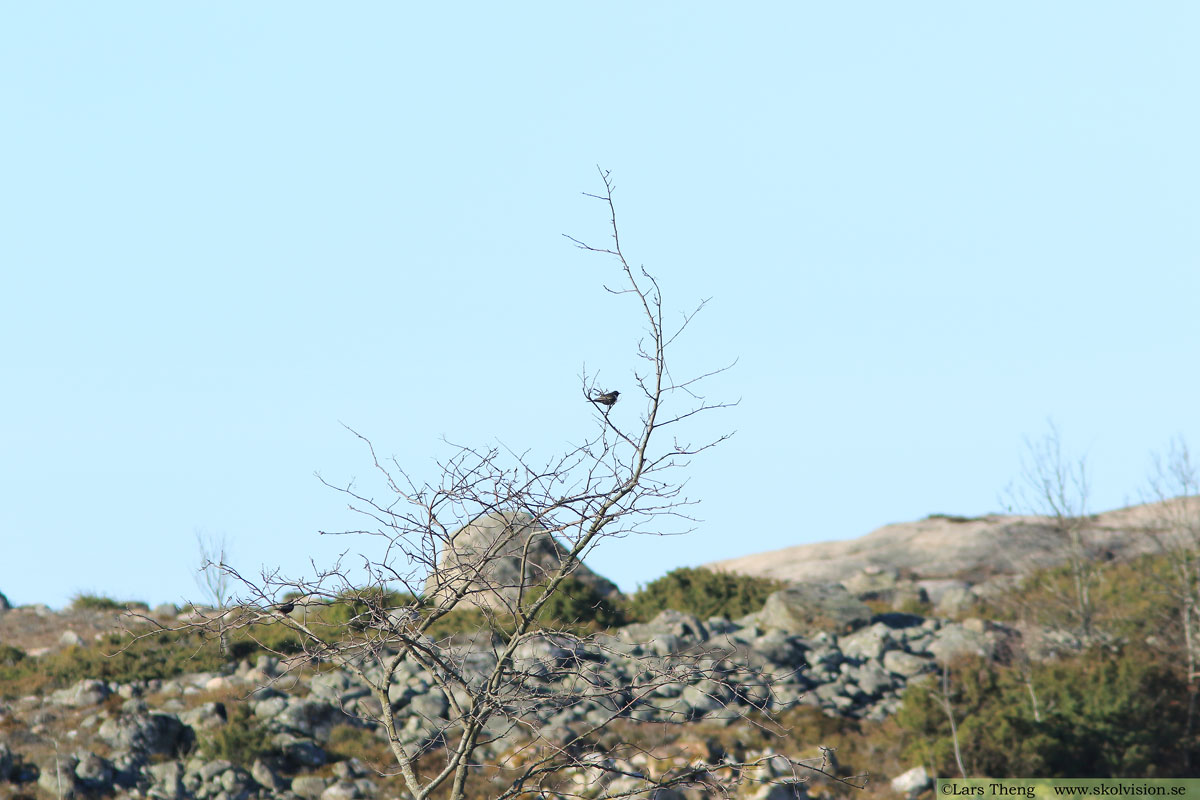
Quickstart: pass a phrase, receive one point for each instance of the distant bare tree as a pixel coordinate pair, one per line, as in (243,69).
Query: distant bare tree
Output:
(213,578)
(1054,486)
(943,697)
(1175,488)
(497,536)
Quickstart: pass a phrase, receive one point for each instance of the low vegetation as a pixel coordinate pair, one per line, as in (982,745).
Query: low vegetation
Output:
(1117,706)
(241,740)
(702,592)
(95,602)
(122,658)
(1102,713)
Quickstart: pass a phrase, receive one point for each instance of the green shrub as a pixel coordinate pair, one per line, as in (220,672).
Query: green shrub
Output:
(702,592)
(241,740)
(577,605)
(115,658)
(1103,714)
(97,602)
(1129,600)
(10,656)
(123,659)
(352,741)
(462,620)
(952,518)
(574,606)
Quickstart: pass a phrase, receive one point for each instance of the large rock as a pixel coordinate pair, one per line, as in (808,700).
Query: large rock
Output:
(958,640)
(342,790)
(87,692)
(309,787)
(906,664)
(299,753)
(71,639)
(949,596)
(166,780)
(309,718)
(266,777)
(974,549)
(487,555)
(868,643)
(885,585)
(205,717)
(58,777)
(913,782)
(151,734)
(94,772)
(8,763)
(669,632)
(809,608)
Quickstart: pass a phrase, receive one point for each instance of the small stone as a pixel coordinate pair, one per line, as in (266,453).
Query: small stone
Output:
(205,717)
(341,790)
(873,678)
(214,768)
(272,706)
(235,781)
(93,770)
(309,787)
(905,664)
(299,752)
(913,782)
(266,777)
(868,643)
(349,770)
(70,639)
(786,790)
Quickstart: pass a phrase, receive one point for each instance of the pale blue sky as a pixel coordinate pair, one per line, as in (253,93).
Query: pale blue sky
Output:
(925,228)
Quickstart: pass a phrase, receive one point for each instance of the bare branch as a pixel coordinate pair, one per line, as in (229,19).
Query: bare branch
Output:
(451,584)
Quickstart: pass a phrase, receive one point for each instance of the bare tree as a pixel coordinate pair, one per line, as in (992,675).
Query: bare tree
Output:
(943,698)
(1056,488)
(1175,488)
(213,579)
(493,540)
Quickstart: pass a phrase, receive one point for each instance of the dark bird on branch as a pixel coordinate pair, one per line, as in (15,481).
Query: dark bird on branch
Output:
(607,399)
(286,608)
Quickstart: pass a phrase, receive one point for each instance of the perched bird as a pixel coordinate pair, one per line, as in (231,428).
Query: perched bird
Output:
(607,399)
(286,607)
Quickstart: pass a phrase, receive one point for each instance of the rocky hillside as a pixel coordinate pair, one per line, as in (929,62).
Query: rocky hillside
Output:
(858,624)
(242,731)
(945,554)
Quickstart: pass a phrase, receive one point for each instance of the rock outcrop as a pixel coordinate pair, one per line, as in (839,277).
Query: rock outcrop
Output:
(497,553)
(835,659)
(940,552)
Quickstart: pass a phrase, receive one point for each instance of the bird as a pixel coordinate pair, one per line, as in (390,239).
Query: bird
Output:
(606,399)
(286,607)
